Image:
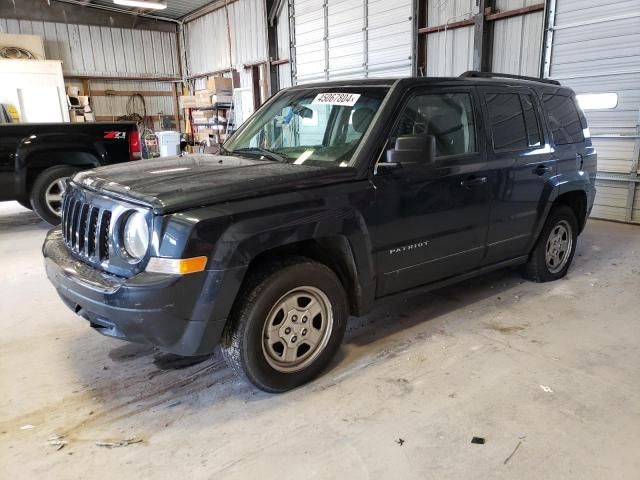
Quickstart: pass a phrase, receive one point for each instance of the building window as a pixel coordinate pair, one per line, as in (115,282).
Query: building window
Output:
(597,101)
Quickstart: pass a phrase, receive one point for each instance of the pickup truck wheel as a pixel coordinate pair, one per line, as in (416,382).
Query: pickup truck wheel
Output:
(47,190)
(553,252)
(288,325)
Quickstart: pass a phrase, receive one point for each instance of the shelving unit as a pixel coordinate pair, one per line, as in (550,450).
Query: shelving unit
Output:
(209,135)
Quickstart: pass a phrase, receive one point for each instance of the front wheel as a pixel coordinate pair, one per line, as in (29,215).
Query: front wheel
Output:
(26,204)
(287,325)
(552,255)
(47,191)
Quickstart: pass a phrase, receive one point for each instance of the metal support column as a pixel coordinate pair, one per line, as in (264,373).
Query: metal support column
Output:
(482,37)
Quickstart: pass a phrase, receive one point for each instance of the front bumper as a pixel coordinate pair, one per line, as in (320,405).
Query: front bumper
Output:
(177,313)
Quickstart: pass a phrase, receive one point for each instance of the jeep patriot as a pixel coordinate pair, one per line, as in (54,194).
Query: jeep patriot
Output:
(330,196)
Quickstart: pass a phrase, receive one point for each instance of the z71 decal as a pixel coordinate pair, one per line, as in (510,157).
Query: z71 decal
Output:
(115,135)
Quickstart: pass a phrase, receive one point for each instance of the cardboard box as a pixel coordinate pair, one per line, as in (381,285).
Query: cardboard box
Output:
(203,137)
(188,101)
(83,100)
(213,130)
(75,116)
(73,91)
(203,98)
(219,85)
(203,114)
(221,98)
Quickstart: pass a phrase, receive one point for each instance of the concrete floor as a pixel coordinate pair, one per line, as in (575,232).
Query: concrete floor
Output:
(553,368)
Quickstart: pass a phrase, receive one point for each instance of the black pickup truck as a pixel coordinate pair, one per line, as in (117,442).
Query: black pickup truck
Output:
(332,195)
(36,158)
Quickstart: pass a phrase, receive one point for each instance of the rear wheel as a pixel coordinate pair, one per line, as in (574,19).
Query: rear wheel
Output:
(553,252)
(288,325)
(47,191)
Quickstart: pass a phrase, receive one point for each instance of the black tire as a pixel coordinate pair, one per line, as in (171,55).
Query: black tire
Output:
(25,203)
(537,268)
(242,343)
(39,190)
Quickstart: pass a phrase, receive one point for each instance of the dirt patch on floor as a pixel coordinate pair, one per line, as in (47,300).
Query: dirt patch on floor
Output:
(505,329)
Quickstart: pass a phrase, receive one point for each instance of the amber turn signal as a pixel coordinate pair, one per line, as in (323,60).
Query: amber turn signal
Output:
(176,266)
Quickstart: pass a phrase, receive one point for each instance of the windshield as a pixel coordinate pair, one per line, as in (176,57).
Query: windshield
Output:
(315,126)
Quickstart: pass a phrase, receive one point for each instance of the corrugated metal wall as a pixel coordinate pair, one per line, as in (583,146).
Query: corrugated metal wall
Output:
(449,52)
(103,51)
(207,39)
(340,39)
(117,105)
(517,41)
(596,49)
(284,47)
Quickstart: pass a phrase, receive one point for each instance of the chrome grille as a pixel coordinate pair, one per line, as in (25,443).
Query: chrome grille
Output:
(85,228)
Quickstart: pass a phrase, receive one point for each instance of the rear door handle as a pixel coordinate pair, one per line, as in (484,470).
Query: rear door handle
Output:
(473,180)
(541,169)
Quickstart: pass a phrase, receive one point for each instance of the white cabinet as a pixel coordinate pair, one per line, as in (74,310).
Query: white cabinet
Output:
(35,88)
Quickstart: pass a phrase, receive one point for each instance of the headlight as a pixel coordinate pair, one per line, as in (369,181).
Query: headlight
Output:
(136,235)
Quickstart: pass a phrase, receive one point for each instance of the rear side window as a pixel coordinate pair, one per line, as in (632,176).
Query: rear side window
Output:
(563,119)
(507,121)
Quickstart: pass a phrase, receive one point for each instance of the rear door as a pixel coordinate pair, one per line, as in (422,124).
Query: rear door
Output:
(520,162)
(571,150)
(429,220)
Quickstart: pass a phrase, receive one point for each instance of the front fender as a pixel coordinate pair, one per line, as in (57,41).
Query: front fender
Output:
(253,227)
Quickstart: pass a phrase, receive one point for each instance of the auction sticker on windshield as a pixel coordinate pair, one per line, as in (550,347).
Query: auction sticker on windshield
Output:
(345,99)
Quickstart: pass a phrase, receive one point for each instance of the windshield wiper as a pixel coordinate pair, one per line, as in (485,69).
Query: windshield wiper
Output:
(270,154)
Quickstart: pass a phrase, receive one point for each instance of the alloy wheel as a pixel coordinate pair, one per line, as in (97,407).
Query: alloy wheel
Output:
(53,196)
(558,247)
(297,329)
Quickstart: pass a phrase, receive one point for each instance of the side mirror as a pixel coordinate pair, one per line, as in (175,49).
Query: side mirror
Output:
(413,149)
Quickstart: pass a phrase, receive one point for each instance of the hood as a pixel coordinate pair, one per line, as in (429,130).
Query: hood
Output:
(177,183)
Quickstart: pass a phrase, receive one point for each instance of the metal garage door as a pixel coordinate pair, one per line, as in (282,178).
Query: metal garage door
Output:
(341,39)
(595,49)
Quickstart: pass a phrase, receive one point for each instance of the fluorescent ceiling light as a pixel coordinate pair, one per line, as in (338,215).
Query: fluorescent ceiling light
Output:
(597,101)
(141,4)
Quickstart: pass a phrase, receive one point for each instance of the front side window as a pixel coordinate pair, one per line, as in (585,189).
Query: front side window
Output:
(448,117)
(563,119)
(310,126)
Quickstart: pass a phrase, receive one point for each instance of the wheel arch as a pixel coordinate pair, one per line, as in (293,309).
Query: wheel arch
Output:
(333,251)
(577,201)
(40,160)
(564,190)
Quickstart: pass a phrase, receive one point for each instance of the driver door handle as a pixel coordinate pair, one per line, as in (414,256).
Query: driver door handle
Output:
(473,180)
(541,169)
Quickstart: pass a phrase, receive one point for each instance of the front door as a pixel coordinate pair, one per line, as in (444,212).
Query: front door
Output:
(429,220)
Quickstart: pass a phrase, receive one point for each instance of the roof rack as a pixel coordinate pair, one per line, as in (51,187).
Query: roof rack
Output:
(476,74)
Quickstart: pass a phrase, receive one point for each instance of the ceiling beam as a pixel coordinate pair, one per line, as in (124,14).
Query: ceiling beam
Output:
(75,12)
